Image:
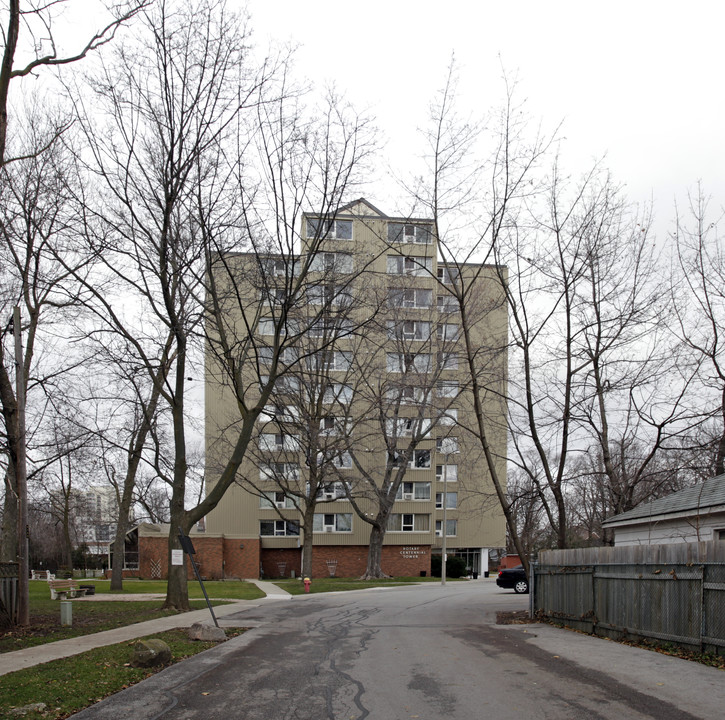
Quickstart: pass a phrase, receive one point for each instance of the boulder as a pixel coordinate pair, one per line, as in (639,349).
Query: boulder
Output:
(206,633)
(150,652)
(38,707)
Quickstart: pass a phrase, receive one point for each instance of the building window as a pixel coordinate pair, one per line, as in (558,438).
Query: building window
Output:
(408,522)
(278,528)
(332,263)
(403,362)
(330,229)
(410,298)
(337,392)
(413,491)
(447,389)
(287,384)
(408,329)
(451,500)
(447,304)
(273,295)
(447,360)
(415,266)
(719,534)
(409,233)
(406,395)
(407,427)
(276,267)
(332,522)
(447,275)
(325,361)
(332,491)
(340,460)
(421,460)
(451,473)
(447,445)
(448,417)
(447,331)
(279,472)
(278,441)
(334,425)
(275,499)
(451,528)
(332,295)
(288,356)
(330,327)
(279,414)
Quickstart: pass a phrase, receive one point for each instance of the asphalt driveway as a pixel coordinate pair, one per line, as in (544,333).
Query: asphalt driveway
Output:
(416,652)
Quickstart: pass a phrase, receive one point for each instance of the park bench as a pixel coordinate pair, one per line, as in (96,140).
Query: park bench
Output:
(41,575)
(62,589)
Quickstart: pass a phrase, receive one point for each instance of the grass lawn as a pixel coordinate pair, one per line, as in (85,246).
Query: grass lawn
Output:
(94,616)
(71,684)
(229,589)
(320,585)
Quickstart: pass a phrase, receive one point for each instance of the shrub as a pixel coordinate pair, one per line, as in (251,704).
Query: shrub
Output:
(455,566)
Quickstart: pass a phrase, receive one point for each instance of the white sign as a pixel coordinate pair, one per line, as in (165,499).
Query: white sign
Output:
(177,557)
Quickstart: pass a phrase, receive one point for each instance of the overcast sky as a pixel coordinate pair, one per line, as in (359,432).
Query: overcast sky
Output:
(639,83)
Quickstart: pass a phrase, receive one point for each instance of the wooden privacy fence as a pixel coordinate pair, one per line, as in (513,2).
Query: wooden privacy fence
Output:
(8,593)
(673,593)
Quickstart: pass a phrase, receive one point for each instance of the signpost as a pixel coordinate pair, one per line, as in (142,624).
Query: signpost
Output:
(188,548)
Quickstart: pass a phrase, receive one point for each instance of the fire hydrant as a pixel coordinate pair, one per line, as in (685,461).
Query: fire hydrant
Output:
(307,582)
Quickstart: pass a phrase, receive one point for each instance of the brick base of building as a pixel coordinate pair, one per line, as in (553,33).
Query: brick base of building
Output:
(220,558)
(347,561)
(126,574)
(217,558)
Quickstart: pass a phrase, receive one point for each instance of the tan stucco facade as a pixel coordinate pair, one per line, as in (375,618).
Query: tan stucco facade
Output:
(394,301)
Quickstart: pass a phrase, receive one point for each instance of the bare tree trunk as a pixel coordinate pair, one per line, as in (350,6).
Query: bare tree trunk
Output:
(119,542)
(177,591)
(720,457)
(307,539)
(375,554)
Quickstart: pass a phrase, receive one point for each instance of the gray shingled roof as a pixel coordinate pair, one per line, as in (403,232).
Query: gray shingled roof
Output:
(709,494)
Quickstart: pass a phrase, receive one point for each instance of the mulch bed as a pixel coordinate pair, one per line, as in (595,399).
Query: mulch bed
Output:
(515,617)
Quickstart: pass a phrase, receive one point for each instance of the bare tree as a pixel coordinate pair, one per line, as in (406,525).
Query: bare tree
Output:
(475,187)
(312,403)
(66,480)
(700,302)
(205,155)
(30,44)
(37,226)
(124,418)
(400,404)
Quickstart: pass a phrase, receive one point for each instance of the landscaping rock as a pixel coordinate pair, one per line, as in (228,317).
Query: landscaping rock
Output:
(206,633)
(25,709)
(147,653)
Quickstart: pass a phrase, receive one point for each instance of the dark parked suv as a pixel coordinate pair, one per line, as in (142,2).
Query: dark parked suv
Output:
(515,578)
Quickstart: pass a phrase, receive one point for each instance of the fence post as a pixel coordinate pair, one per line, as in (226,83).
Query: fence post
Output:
(703,607)
(532,589)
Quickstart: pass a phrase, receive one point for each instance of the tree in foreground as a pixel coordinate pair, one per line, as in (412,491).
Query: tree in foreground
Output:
(204,155)
(29,45)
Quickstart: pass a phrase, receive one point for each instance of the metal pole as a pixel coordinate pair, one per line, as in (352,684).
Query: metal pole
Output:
(445,518)
(188,548)
(21,477)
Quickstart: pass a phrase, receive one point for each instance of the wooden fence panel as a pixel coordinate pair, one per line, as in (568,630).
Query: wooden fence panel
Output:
(8,592)
(665,592)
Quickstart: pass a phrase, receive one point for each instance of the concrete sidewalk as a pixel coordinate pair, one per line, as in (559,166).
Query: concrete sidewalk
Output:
(19,659)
